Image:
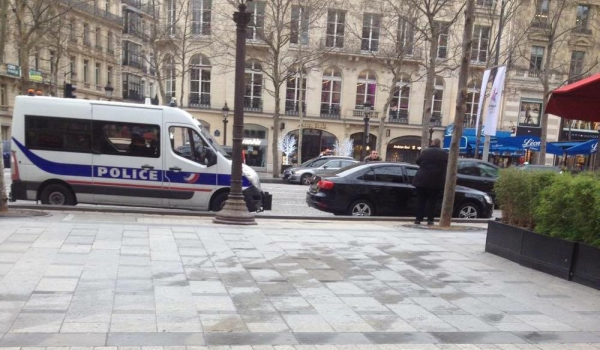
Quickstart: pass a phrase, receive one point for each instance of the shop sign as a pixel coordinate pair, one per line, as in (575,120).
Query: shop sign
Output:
(407,147)
(254,142)
(13,70)
(322,126)
(35,76)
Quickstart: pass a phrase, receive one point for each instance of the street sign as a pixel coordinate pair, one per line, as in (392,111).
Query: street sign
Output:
(13,70)
(35,76)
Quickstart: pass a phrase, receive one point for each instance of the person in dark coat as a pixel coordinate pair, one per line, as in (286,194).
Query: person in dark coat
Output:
(430,180)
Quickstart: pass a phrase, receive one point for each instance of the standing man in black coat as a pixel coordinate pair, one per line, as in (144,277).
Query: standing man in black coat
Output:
(430,180)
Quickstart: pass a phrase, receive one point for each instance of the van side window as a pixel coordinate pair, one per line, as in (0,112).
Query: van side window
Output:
(187,143)
(58,134)
(126,139)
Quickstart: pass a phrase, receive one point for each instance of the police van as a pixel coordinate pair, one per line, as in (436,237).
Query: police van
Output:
(69,151)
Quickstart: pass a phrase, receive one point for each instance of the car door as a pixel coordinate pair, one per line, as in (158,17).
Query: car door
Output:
(127,160)
(489,175)
(410,196)
(191,172)
(391,179)
(327,167)
(469,175)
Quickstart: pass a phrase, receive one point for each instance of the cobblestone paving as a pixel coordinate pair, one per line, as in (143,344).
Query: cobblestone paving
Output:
(97,280)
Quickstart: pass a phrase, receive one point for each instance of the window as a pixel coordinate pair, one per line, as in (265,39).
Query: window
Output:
(199,81)
(99,38)
(537,57)
(132,22)
(86,67)
(411,173)
(58,134)
(3,95)
(52,62)
(86,34)
(583,14)
(438,97)
(107,6)
(485,3)
(72,31)
(541,11)
(399,104)
(132,54)
(5,133)
(370,32)
(529,113)
(576,67)
(469,169)
(126,139)
(170,75)
(472,103)
(151,90)
(442,39)
(365,88)
(171,15)
(110,43)
(98,78)
(336,22)
(73,67)
(132,87)
(256,25)
(391,174)
(406,37)
(201,17)
(299,26)
(109,73)
(254,84)
(186,143)
(36,61)
(292,94)
(331,92)
(368,176)
(481,41)
(488,171)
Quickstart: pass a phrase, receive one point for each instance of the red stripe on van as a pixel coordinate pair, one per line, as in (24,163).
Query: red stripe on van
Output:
(139,186)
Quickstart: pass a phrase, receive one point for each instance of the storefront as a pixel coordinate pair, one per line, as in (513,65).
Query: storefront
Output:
(314,141)
(255,146)
(357,138)
(404,149)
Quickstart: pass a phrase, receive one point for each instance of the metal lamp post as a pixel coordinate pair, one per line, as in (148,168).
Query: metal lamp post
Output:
(235,211)
(108,90)
(367,113)
(225,111)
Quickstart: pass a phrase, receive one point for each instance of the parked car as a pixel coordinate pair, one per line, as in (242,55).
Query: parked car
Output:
(6,154)
(477,174)
(537,167)
(303,173)
(385,189)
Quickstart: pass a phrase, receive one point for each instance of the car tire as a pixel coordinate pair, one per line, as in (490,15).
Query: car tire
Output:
(468,210)
(57,194)
(361,207)
(306,179)
(219,201)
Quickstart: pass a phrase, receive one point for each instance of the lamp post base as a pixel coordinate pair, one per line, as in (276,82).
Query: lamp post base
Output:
(235,212)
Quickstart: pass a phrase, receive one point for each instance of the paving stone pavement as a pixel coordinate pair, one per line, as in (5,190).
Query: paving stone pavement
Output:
(108,281)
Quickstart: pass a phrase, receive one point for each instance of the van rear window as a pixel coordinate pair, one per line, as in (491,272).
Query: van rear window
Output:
(58,134)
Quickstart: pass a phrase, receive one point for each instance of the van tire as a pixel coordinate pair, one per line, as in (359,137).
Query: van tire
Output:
(56,194)
(219,201)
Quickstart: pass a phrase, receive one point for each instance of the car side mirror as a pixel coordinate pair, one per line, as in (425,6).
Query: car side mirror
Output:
(325,166)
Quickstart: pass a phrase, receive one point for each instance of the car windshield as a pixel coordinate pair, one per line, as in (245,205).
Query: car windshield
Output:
(212,141)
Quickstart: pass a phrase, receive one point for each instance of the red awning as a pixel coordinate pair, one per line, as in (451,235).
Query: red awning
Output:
(580,100)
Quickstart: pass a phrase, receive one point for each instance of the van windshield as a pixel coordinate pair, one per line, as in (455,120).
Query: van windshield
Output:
(212,141)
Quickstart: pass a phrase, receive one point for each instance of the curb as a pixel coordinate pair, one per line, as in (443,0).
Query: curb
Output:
(174,212)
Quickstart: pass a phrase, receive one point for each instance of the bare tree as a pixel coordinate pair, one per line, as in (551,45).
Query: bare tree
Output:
(158,38)
(459,117)
(552,32)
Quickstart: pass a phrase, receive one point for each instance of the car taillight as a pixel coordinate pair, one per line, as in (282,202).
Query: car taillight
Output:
(325,185)
(14,174)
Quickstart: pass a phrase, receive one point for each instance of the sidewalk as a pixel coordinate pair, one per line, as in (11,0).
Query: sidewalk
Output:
(98,279)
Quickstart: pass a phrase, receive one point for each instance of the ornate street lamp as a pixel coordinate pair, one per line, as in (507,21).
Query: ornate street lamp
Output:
(225,111)
(234,211)
(108,90)
(367,116)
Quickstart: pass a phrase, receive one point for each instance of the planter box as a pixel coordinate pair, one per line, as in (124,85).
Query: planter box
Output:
(547,254)
(504,240)
(586,269)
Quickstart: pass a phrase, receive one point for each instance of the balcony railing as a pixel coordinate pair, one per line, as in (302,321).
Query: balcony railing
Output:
(436,119)
(146,8)
(328,112)
(93,10)
(130,61)
(354,46)
(540,23)
(253,105)
(470,121)
(202,102)
(582,30)
(398,117)
(293,108)
(359,113)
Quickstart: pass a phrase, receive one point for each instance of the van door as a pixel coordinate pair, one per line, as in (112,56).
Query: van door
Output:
(190,168)
(127,155)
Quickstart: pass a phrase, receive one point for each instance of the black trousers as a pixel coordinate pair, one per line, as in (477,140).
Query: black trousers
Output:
(426,199)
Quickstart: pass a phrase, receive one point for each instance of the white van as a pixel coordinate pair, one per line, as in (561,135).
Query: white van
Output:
(69,151)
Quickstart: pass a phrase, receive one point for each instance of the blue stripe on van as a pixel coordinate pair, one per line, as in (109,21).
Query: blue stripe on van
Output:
(110,172)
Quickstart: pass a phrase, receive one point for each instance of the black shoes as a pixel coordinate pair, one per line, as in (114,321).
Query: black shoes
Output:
(417,222)
(429,223)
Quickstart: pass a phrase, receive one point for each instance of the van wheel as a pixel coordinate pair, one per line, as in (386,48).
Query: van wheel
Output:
(219,201)
(468,211)
(56,194)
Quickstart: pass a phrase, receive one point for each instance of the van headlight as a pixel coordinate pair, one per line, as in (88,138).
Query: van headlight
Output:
(251,175)
(488,199)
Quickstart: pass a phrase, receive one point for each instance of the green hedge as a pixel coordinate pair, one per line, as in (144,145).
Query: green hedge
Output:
(558,205)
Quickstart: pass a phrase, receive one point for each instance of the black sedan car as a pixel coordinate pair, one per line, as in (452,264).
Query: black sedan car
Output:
(477,174)
(385,189)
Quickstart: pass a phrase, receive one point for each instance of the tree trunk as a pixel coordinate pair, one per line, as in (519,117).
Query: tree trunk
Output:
(429,89)
(3,26)
(301,116)
(274,142)
(385,114)
(544,116)
(3,197)
(24,64)
(461,103)
(183,74)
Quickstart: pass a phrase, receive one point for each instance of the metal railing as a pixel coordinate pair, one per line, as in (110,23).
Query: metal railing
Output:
(398,117)
(93,10)
(202,101)
(293,108)
(582,30)
(361,113)
(328,112)
(146,8)
(253,105)
(354,46)
(131,60)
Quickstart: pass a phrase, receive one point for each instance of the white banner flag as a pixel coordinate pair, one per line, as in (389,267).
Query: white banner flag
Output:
(482,91)
(491,117)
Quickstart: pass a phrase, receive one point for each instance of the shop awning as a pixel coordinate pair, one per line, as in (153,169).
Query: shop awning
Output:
(585,148)
(580,100)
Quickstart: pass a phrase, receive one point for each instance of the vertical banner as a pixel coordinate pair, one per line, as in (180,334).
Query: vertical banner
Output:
(482,91)
(491,117)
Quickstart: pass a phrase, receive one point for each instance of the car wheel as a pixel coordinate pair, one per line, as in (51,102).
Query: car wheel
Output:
(56,194)
(306,179)
(219,201)
(468,211)
(361,207)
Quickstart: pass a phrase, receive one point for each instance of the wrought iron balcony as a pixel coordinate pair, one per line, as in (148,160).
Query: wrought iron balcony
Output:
(330,112)
(202,101)
(94,11)
(146,8)
(360,113)
(253,104)
(398,117)
(293,108)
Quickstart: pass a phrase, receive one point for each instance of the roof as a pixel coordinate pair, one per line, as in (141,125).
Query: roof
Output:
(80,101)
